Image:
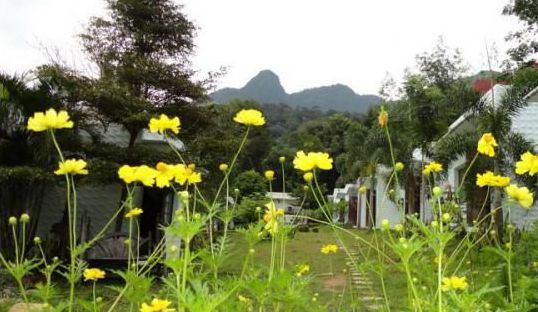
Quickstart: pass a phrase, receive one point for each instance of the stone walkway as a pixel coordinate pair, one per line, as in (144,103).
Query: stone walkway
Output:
(362,283)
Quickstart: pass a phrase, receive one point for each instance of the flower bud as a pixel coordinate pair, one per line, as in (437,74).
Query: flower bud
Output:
(269,175)
(25,218)
(306,188)
(236,191)
(258,209)
(492,232)
(362,189)
(508,245)
(415,279)
(282,159)
(399,166)
(223,167)
(434,224)
(37,240)
(437,191)
(55,259)
(197,216)
(99,299)
(308,177)
(173,248)
(383,117)
(184,195)
(391,192)
(402,240)
(399,227)
(12,220)
(446,217)
(385,224)
(252,250)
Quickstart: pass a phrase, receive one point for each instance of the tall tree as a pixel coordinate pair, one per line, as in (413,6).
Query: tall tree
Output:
(525,39)
(142,51)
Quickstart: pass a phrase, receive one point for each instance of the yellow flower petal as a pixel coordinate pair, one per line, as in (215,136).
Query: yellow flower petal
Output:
(250,117)
(164,123)
(72,166)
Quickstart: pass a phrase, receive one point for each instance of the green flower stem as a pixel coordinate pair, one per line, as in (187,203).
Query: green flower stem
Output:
(411,284)
(130,245)
(393,159)
(186,261)
(16,244)
(226,221)
(509,258)
(71,224)
(272,264)
(23,242)
(440,261)
(379,259)
(94,299)
(458,190)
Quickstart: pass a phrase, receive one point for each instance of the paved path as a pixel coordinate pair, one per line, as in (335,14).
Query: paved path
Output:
(361,282)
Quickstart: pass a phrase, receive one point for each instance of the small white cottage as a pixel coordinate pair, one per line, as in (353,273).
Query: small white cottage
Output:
(525,123)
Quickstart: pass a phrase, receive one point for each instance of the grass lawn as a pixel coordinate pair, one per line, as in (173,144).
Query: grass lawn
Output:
(335,290)
(330,274)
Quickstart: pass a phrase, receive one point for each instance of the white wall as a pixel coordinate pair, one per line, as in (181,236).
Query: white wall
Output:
(386,208)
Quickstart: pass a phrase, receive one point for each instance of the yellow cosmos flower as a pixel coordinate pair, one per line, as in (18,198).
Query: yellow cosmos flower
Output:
(490,179)
(157,305)
(269,175)
(93,274)
(134,213)
(164,174)
(72,166)
(142,174)
(330,248)
(432,167)
(312,160)
(302,269)
(454,283)
(487,144)
(250,117)
(520,194)
(383,117)
(49,120)
(164,123)
(186,174)
(527,164)
(271,216)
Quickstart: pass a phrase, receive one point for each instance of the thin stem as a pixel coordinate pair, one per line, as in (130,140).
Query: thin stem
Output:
(458,190)
(15,241)
(94,299)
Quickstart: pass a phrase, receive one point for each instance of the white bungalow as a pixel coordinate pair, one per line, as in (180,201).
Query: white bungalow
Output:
(289,203)
(96,204)
(349,193)
(377,203)
(525,123)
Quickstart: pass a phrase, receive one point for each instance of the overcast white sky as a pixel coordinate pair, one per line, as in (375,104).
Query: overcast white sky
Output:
(308,43)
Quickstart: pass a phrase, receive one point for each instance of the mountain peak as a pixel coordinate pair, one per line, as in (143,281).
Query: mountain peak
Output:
(266,88)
